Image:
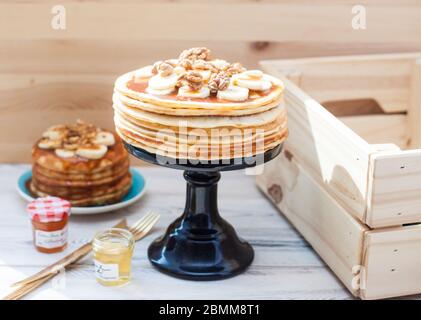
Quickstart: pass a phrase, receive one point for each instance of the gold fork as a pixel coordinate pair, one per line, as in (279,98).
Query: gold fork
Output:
(139,230)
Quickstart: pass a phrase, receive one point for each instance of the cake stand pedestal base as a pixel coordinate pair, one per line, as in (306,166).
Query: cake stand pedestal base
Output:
(200,245)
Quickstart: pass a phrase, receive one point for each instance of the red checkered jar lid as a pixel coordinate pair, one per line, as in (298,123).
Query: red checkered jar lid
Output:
(49,209)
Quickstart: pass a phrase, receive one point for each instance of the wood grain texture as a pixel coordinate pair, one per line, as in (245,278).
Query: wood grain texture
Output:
(330,151)
(395,188)
(285,267)
(384,78)
(270,21)
(388,181)
(57,75)
(55,81)
(380,129)
(335,235)
(372,264)
(414,112)
(391,262)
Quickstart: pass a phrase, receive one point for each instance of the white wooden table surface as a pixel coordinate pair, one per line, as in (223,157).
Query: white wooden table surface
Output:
(285,267)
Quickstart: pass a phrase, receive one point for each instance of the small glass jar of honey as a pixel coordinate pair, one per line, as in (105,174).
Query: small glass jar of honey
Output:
(49,217)
(113,250)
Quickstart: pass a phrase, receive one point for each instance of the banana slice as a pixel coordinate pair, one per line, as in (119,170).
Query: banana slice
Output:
(104,138)
(96,151)
(258,85)
(49,144)
(186,92)
(233,93)
(54,132)
(143,73)
(159,82)
(219,64)
(205,74)
(160,92)
(179,70)
(253,80)
(63,153)
(70,146)
(256,74)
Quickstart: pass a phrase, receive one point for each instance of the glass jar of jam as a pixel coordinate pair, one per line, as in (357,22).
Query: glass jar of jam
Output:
(113,250)
(49,217)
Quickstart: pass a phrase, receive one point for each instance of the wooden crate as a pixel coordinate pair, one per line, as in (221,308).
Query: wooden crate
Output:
(357,203)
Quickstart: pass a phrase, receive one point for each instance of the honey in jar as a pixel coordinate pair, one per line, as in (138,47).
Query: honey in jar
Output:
(49,217)
(113,250)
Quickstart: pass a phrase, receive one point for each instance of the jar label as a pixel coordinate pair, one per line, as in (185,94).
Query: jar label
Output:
(51,239)
(106,271)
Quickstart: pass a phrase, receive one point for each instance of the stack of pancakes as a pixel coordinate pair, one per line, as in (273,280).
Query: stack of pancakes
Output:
(199,108)
(81,163)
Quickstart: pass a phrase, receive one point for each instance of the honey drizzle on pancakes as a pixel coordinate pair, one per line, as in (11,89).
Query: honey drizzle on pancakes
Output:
(141,85)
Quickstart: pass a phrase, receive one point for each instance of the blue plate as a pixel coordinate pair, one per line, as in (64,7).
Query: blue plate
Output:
(136,191)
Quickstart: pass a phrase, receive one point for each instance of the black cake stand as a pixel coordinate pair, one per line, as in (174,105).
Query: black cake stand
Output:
(200,245)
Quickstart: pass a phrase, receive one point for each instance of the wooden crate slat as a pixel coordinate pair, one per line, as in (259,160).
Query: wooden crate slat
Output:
(414,112)
(395,195)
(380,129)
(392,262)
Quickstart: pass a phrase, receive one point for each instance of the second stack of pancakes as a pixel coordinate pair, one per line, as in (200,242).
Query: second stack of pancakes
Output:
(199,108)
(81,163)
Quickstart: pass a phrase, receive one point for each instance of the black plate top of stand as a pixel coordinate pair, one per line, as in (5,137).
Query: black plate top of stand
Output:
(218,165)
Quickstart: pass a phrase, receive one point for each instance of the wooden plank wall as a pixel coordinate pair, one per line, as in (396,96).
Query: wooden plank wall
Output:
(49,76)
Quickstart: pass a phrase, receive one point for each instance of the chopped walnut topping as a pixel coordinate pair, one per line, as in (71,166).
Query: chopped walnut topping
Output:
(204,65)
(70,146)
(192,79)
(201,53)
(179,70)
(195,68)
(219,64)
(218,82)
(72,137)
(186,64)
(234,68)
(163,68)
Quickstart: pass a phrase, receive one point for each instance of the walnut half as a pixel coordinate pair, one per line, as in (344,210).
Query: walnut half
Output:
(234,68)
(203,65)
(218,82)
(192,79)
(163,68)
(199,53)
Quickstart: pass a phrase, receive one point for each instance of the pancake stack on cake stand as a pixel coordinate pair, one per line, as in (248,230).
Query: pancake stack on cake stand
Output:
(203,116)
